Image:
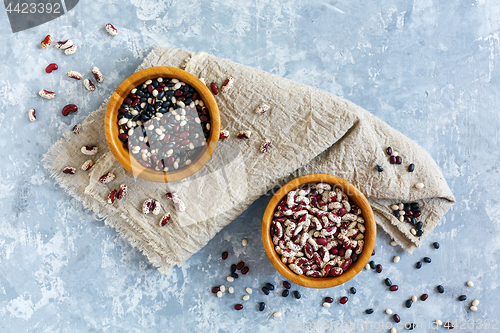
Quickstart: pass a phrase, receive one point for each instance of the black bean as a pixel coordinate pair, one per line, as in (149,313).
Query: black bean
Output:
(427,259)
(440,289)
(296,294)
(170,84)
(388,282)
(269,286)
(234,275)
(379,168)
(396,213)
(411,167)
(285,293)
(124,106)
(353,290)
(414,221)
(145,116)
(136,117)
(407,207)
(160,95)
(139,93)
(155,83)
(462,298)
(418,265)
(436,245)
(169,92)
(262,306)
(369,311)
(128,115)
(419,225)
(372,264)
(419,233)
(409,303)
(144,99)
(120,116)
(147,94)
(150,108)
(414,206)
(410,326)
(184,88)
(265,290)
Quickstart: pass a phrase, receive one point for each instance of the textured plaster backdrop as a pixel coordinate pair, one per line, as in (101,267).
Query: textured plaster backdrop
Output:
(428,68)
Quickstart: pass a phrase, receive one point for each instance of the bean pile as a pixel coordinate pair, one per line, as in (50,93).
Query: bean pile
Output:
(164,124)
(409,212)
(318,231)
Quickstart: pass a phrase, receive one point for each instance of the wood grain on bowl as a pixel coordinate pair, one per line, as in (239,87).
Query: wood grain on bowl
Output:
(355,196)
(121,152)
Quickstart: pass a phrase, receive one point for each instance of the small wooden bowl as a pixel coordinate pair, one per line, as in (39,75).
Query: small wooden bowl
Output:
(121,152)
(370,234)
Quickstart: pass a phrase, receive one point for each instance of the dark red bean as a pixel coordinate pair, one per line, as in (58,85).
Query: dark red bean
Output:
(51,67)
(171,160)
(321,241)
(238,307)
(424,297)
(378,268)
(399,160)
(127,101)
(184,135)
(215,290)
(214,89)
(286,284)
(240,265)
(224,255)
(392,160)
(396,318)
(417,214)
(394,287)
(178,93)
(389,151)
(343,300)
(373,252)
(448,325)
(244,270)
(328,299)
(123,136)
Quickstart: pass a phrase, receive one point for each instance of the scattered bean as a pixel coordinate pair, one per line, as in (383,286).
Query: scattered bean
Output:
(379,168)
(388,282)
(264,146)
(409,303)
(353,290)
(396,259)
(393,330)
(88,84)
(107,177)
(238,307)
(388,311)
(448,325)
(262,306)
(111,29)
(419,233)
(97,74)
(69,170)
(246,297)
(227,85)
(367,267)
(367,311)
(436,245)
(240,265)
(47,94)
(418,265)
(219,294)
(64,44)
(419,186)
(233,268)
(261,109)
(414,299)
(74,75)
(394,243)
(394,287)
(389,151)
(265,290)
(462,298)
(372,264)
(245,270)
(244,242)
(277,314)
(378,268)
(269,286)
(87,165)
(411,167)
(230,279)
(248,290)
(427,259)
(230,290)
(46,41)
(285,293)
(475,302)
(222,288)
(51,67)
(343,300)
(224,255)
(440,289)
(424,297)
(470,283)
(286,284)
(396,318)
(215,290)
(214,89)
(234,275)
(244,134)
(473,308)
(224,134)
(122,192)
(326,305)
(328,299)
(439,322)
(296,294)
(31,114)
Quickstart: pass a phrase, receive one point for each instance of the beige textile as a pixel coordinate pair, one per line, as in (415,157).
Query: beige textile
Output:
(310,130)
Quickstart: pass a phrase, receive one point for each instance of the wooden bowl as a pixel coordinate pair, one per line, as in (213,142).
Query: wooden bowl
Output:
(370,234)
(121,152)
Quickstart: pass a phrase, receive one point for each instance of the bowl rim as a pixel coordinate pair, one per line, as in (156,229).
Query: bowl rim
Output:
(370,233)
(122,154)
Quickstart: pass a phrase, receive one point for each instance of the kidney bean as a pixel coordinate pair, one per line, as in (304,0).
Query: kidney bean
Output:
(215,290)
(286,284)
(238,307)
(424,297)
(343,300)
(396,318)
(224,255)
(244,270)
(51,67)
(378,268)
(328,299)
(393,288)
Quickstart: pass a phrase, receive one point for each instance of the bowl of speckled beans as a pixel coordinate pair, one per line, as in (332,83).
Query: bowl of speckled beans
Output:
(318,231)
(162,124)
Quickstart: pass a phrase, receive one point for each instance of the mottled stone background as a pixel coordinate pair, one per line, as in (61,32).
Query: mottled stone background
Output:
(428,68)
